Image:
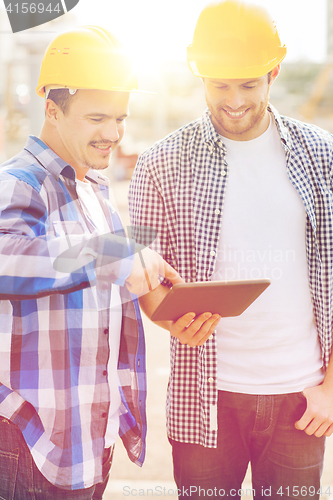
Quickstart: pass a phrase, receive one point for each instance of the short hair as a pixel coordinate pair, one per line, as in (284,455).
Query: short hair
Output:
(62,98)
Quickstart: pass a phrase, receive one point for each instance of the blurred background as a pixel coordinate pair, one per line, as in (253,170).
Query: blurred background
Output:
(157,33)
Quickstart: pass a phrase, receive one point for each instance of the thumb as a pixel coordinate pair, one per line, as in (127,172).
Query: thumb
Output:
(171,274)
(304,421)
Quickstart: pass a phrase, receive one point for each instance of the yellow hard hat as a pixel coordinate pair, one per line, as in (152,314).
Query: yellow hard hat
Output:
(87,57)
(234,39)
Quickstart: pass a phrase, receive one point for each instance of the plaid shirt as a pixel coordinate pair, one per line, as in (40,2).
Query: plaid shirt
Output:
(55,324)
(178,188)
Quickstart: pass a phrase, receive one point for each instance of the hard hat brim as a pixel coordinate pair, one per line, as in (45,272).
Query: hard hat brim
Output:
(40,90)
(202,67)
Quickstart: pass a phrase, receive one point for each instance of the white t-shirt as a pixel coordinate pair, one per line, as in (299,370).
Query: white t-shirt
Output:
(94,212)
(273,347)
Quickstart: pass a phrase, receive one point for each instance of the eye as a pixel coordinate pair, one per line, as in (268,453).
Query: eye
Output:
(250,85)
(96,120)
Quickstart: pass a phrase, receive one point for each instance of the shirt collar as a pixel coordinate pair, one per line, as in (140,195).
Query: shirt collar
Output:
(283,131)
(56,165)
(211,138)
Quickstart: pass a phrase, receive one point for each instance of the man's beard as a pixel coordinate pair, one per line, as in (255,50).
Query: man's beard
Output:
(242,127)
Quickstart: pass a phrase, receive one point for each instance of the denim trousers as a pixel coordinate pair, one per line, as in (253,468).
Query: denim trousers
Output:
(285,462)
(20,479)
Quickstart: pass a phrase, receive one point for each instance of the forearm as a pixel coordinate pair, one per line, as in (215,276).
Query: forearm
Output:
(39,258)
(328,380)
(151,300)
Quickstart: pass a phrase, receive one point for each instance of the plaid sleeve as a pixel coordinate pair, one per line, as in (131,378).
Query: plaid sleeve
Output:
(148,212)
(34,261)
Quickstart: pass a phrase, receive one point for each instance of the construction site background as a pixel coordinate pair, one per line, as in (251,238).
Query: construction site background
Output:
(303,90)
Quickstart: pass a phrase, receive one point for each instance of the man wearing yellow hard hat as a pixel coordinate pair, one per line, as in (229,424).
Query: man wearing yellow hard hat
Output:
(72,368)
(243,193)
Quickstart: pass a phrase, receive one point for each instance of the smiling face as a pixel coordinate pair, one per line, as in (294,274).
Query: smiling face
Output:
(89,131)
(239,107)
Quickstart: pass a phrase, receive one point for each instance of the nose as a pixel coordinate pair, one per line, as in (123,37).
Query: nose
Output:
(110,131)
(234,99)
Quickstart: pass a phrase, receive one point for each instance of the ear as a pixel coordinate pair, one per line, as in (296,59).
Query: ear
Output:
(51,111)
(275,72)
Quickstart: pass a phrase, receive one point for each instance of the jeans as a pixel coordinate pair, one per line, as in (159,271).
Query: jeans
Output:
(285,462)
(21,480)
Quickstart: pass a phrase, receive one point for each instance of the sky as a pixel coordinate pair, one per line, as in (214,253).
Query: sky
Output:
(157,31)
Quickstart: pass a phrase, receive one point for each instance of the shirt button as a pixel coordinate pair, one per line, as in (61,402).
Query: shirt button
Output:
(210,380)
(106,331)
(223,173)
(217,211)
(104,415)
(105,373)
(211,337)
(212,253)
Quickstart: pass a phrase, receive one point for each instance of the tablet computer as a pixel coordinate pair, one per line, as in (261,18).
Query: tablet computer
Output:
(227,298)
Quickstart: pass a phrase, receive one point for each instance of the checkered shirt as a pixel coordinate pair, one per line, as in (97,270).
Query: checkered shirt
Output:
(178,188)
(54,323)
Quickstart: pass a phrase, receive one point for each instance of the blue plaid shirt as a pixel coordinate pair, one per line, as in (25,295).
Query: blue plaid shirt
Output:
(54,320)
(178,188)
